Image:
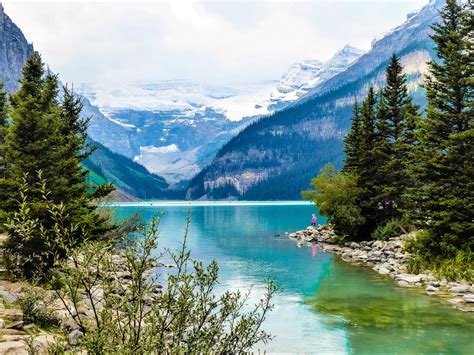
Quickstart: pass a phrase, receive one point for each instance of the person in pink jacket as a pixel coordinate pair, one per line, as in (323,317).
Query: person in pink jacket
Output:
(313,220)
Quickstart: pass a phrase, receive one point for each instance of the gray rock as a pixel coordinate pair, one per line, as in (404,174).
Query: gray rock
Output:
(75,337)
(2,323)
(469,298)
(410,278)
(9,297)
(460,289)
(431,288)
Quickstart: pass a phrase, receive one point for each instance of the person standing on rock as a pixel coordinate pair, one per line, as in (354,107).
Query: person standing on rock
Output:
(313,220)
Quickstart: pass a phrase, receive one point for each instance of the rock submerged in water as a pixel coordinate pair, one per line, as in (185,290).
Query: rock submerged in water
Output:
(387,257)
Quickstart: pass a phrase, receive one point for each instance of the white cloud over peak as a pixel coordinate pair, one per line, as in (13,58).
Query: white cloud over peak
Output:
(210,42)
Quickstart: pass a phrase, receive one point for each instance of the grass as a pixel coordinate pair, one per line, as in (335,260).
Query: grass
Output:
(456,267)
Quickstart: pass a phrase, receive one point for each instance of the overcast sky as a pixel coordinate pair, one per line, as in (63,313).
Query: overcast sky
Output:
(213,42)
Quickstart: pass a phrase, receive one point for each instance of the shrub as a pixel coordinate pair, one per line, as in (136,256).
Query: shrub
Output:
(388,230)
(453,267)
(35,307)
(335,194)
(185,316)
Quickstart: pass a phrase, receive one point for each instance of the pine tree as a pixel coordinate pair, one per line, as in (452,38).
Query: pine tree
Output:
(397,117)
(33,142)
(445,197)
(48,136)
(368,165)
(352,143)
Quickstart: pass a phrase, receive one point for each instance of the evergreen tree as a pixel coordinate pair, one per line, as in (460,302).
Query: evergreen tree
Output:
(445,197)
(397,117)
(368,165)
(48,136)
(352,143)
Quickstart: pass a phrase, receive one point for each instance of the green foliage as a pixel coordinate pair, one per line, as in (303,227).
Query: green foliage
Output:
(33,246)
(36,309)
(44,147)
(443,201)
(140,317)
(459,266)
(388,230)
(336,197)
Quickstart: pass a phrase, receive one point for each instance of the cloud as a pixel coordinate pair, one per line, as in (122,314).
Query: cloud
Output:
(210,42)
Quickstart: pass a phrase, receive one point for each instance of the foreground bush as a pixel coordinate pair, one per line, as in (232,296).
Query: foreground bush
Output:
(138,316)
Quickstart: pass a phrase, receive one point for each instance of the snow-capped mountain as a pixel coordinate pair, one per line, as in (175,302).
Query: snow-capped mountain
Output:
(175,128)
(309,74)
(276,157)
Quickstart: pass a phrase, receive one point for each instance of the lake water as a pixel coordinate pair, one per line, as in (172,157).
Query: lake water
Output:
(326,305)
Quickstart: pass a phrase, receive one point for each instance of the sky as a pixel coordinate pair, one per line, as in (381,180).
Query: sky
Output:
(214,42)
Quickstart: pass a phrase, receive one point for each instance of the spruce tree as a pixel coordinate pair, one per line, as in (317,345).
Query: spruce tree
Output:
(352,143)
(445,197)
(47,135)
(397,117)
(368,167)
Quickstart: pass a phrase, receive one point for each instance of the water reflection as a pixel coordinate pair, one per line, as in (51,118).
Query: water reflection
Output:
(383,318)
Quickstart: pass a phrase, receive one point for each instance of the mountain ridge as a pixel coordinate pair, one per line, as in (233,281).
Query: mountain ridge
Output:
(276,157)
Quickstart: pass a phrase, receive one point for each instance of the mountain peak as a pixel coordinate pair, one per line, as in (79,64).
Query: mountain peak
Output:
(350,49)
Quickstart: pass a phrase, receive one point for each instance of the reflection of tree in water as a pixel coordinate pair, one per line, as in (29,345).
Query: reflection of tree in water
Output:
(382,318)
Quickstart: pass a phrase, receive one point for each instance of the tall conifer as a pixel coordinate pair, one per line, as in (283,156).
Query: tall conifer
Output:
(48,135)
(397,117)
(365,176)
(445,197)
(352,142)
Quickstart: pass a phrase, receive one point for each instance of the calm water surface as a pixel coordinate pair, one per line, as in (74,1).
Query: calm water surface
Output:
(326,305)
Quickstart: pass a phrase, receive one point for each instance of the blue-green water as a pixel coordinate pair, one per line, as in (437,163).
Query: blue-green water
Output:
(326,305)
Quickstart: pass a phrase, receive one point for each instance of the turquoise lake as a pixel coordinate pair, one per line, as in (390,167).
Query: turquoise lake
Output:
(326,305)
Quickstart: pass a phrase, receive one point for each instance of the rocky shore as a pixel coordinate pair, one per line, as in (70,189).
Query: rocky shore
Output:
(389,258)
(19,337)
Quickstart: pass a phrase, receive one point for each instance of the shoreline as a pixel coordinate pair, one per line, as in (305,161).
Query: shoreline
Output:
(389,258)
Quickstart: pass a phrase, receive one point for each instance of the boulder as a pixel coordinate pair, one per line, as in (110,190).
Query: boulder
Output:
(469,298)
(410,278)
(431,288)
(13,347)
(9,297)
(75,337)
(460,289)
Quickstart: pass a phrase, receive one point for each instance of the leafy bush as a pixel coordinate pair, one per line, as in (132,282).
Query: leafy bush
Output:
(335,194)
(33,303)
(388,230)
(138,316)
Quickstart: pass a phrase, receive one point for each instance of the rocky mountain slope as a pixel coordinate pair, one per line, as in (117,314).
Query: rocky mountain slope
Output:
(276,157)
(14,50)
(175,128)
(129,177)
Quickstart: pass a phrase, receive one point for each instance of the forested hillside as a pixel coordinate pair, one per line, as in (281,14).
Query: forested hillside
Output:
(108,167)
(275,157)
